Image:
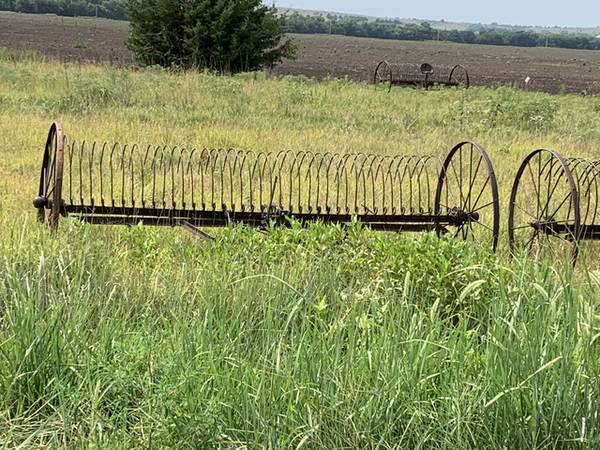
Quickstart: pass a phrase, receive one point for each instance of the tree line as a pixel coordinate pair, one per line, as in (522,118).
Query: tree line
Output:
(363,27)
(335,24)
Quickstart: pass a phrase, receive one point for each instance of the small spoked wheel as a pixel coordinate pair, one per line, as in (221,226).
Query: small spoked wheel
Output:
(544,215)
(384,74)
(467,196)
(459,77)
(49,199)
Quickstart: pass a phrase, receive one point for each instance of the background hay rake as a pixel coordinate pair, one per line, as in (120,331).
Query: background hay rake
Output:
(554,205)
(177,186)
(425,76)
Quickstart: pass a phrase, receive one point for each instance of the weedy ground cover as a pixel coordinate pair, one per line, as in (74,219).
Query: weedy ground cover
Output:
(321,338)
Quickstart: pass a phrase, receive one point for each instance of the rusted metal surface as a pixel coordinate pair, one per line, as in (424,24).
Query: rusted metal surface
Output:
(425,75)
(49,199)
(554,205)
(179,186)
(468,191)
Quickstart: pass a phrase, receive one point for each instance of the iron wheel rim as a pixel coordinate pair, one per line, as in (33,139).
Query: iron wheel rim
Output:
(553,205)
(478,198)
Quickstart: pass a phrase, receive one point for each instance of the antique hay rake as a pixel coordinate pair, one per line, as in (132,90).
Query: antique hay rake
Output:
(554,205)
(104,183)
(396,74)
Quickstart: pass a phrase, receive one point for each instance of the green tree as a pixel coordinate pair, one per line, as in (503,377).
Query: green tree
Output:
(222,35)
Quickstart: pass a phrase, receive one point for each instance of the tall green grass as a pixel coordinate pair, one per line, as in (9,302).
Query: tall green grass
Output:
(318,338)
(322,338)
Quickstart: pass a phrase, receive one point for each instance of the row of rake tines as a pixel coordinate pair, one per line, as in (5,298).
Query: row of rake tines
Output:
(586,175)
(243,180)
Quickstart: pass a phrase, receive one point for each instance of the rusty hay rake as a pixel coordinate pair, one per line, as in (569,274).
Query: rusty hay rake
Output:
(554,205)
(103,183)
(396,74)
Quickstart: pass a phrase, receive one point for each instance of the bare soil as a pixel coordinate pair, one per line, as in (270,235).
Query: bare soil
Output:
(548,69)
(68,39)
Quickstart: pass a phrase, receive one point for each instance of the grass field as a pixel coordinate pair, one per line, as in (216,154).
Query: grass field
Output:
(319,338)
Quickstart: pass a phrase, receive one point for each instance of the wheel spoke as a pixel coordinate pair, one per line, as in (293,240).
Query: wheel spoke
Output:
(526,212)
(460,171)
(561,205)
(487,180)
(539,184)
(535,187)
(468,196)
(473,233)
(483,207)
(49,175)
(472,181)
(522,227)
(529,243)
(458,230)
(550,196)
(458,183)
(483,225)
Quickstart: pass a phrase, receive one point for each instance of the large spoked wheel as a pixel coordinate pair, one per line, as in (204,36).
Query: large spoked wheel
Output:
(467,194)
(384,74)
(49,199)
(544,216)
(459,76)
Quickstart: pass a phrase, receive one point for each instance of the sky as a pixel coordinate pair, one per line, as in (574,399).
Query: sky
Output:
(571,13)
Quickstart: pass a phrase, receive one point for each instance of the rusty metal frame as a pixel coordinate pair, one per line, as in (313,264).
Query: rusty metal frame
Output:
(391,74)
(554,204)
(49,199)
(123,184)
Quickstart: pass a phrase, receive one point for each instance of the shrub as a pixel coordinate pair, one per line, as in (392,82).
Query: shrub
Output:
(221,35)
